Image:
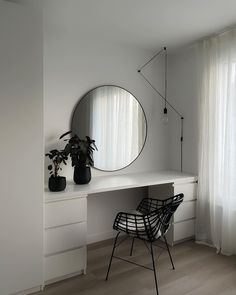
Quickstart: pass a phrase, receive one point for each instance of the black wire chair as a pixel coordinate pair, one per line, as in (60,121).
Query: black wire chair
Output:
(149,223)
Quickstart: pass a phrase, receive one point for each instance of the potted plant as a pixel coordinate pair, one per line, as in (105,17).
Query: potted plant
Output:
(81,153)
(56,183)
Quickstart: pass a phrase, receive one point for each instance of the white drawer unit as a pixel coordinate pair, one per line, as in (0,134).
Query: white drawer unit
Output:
(65,264)
(183,223)
(186,210)
(66,237)
(65,231)
(188,189)
(184,230)
(65,212)
(181,231)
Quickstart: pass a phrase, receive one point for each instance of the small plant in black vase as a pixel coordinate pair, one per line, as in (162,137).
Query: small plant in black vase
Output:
(56,183)
(81,153)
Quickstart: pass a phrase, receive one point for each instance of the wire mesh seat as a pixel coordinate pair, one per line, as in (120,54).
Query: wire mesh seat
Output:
(149,223)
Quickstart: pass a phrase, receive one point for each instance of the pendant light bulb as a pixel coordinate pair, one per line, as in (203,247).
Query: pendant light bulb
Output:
(165,116)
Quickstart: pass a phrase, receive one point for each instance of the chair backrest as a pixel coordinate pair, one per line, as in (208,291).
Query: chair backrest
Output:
(159,220)
(148,205)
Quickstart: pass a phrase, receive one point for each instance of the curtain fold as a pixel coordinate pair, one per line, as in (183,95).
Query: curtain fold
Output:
(216,208)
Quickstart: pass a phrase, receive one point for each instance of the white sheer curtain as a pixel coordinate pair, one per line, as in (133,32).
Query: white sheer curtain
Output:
(216,209)
(118,127)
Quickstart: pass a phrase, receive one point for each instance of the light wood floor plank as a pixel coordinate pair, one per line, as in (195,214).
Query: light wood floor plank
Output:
(199,271)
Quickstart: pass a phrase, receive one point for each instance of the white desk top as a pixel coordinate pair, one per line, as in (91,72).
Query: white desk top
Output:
(118,182)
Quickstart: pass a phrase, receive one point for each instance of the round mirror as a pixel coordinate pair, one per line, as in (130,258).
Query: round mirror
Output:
(114,118)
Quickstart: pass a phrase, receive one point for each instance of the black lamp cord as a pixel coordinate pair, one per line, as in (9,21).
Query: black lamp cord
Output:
(164,97)
(165,109)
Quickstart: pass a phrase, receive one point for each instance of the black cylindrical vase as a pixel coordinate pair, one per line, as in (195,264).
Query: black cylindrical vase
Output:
(82,174)
(56,184)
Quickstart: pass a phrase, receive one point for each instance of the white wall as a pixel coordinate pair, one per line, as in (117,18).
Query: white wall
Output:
(74,64)
(183,93)
(21,129)
(73,67)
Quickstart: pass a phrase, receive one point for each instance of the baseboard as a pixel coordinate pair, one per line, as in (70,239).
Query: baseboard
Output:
(64,277)
(29,291)
(100,237)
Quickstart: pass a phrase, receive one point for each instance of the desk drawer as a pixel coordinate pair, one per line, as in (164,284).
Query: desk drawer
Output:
(186,210)
(184,230)
(64,264)
(65,212)
(63,238)
(188,189)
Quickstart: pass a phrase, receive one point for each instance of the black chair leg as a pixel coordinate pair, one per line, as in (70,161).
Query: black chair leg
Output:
(154,268)
(112,254)
(167,246)
(132,246)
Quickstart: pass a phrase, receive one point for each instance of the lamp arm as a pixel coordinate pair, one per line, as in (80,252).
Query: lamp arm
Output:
(164,97)
(154,56)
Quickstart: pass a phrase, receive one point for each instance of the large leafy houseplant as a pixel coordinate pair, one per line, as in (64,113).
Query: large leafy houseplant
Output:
(56,182)
(81,153)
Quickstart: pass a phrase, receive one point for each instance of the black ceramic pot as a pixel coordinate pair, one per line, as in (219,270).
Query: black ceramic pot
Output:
(56,184)
(82,174)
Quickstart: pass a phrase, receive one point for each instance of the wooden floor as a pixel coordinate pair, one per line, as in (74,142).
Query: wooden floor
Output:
(199,271)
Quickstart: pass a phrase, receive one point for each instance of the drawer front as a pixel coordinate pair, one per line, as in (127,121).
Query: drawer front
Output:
(63,238)
(188,189)
(184,230)
(186,210)
(64,264)
(65,212)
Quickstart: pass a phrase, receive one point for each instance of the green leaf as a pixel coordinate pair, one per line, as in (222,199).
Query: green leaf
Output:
(63,135)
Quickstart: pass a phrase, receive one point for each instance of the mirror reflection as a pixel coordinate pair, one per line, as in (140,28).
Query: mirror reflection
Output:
(114,118)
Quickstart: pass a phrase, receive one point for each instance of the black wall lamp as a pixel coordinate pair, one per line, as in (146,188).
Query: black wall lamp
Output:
(164,97)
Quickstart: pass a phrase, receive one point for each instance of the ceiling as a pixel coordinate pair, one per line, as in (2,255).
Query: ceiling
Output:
(147,24)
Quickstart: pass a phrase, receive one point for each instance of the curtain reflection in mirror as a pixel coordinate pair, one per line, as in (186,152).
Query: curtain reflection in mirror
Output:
(116,122)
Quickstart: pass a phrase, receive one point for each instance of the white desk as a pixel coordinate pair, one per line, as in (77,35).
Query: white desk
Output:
(117,182)
(66,216)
